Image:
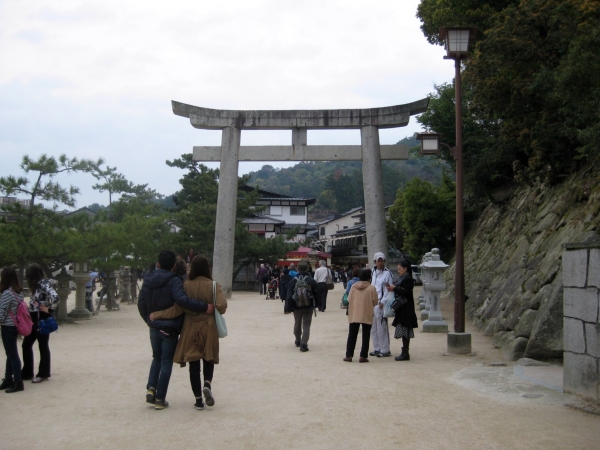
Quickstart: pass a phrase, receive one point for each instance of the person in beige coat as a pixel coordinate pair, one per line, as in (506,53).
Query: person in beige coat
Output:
(361,301)
(199,339)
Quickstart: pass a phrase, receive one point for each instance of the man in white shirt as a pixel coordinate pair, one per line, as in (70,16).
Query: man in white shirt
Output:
(321,279)
(380,335)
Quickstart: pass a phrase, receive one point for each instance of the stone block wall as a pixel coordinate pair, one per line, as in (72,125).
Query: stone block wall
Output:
(581,320)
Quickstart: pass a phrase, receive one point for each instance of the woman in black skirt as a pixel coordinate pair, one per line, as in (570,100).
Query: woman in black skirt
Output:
(405,319)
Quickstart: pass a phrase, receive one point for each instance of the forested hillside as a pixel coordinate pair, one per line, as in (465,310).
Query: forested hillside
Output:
(338,187)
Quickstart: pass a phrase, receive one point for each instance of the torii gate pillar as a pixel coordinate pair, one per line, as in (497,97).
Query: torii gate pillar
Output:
(370,152)
(226,209)
(374,207)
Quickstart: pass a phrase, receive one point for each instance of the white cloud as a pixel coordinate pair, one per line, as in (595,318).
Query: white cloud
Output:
(96,77)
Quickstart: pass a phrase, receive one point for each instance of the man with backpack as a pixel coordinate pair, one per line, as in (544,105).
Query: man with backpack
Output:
(300,300)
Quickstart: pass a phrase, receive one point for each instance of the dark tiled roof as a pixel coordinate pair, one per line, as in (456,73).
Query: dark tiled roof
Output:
(349,231)
(262,218)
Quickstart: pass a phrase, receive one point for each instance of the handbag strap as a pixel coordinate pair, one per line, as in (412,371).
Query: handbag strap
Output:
(214,289)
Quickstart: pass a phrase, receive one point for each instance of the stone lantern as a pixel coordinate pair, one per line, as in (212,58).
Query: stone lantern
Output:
(81,275)
(63,279)
(435,323)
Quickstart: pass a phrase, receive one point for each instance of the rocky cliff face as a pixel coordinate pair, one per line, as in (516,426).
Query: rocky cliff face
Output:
(513,271)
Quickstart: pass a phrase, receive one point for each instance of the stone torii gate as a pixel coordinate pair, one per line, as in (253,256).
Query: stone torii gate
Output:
(370,152)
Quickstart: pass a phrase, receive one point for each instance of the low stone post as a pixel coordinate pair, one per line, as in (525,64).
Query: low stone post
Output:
(581,320)
(112,302)
(81,276)
(133,288)
(426,298)
(435,323)
(125,285)
(63,291)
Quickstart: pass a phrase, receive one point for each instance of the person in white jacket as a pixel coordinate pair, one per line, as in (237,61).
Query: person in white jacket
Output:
(381,277)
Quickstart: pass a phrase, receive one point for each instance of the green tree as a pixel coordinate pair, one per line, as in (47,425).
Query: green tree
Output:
(196,214)
(428,217)
(486,163)
(394,222)
(34,233)
(532,74)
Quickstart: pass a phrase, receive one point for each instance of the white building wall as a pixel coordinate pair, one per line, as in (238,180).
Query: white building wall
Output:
(292,219)
(338,224)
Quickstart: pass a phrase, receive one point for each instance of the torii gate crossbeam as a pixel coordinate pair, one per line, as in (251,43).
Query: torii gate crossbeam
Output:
(370,152)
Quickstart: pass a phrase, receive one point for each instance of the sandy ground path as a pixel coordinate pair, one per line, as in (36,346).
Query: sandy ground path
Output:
(269,395)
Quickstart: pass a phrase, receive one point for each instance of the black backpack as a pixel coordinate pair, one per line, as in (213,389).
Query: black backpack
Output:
(302,293)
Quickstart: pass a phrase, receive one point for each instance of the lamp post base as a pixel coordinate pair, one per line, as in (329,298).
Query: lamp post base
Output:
(435,326)
(459,343)
(80,314)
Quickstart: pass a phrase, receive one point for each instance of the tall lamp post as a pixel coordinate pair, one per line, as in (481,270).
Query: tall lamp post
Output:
(457,48)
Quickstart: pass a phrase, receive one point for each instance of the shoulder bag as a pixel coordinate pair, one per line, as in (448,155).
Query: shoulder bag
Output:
(48,325)
(329,282)
(398,303)
(219,319)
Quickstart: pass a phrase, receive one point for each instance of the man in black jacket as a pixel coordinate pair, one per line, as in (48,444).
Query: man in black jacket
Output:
(303,315)
(161,290)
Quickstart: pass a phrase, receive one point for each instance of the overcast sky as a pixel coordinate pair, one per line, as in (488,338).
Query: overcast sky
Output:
(96,77)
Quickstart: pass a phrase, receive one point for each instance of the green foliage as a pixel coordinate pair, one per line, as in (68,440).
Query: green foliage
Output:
(338,186)
(427,214)
(457,13)
(196,215)
(531,85)
(33,233)
(487,164)
(394,222)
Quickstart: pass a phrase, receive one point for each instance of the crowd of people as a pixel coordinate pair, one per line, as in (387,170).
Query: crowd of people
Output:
(178,301)
(367,293)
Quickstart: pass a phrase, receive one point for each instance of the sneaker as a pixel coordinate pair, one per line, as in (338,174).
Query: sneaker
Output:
(199,404)
(160,404)
(383,355)
(39,379)
(210,400)
(297,343)
(151,396)
(303,348)
(375,353)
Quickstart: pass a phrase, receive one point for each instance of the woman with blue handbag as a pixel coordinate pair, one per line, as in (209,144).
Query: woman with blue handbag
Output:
(43,300)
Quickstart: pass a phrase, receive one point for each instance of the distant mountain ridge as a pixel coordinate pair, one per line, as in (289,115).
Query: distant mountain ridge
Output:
(337,185)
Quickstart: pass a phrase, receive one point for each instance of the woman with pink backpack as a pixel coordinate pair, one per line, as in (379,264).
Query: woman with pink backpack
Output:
(12,295)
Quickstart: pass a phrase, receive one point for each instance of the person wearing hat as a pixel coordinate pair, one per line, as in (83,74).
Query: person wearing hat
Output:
(302,316)
(381,277)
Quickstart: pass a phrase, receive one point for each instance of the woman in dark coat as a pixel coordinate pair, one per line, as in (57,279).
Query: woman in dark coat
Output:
(405,319)
(284,280)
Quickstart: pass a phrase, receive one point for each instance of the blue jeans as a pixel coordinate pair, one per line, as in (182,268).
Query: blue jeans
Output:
(13,362)
(163,349)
